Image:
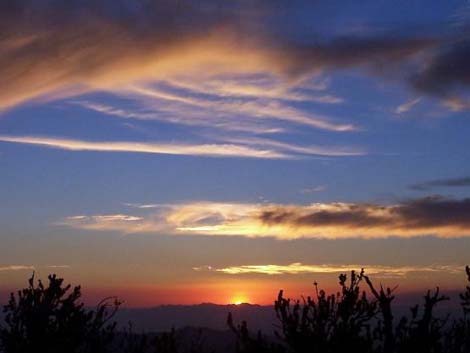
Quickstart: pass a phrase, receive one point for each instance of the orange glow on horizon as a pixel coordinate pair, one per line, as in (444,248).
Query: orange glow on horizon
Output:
(236,290)
(239,299)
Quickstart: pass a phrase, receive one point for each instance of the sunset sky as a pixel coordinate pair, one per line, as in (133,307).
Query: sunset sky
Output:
(217,151)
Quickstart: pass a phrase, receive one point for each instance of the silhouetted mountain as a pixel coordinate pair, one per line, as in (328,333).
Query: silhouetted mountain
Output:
(211,316)
(214,317)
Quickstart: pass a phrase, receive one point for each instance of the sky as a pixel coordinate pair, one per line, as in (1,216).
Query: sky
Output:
(179,152)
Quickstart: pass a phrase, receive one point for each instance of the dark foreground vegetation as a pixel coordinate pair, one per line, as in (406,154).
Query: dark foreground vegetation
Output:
(51,318)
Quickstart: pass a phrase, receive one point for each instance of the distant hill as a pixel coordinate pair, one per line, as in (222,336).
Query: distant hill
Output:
(210,316)
(214,317)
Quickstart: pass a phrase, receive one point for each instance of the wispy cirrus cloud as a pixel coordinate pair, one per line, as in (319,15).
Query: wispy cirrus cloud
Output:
(260,86)
(5,268)
(436,216)
(176,113)
(58,266)
(207,150)
(262,148)
(111,222)
(327,151)
(16,268)
(314,189)
(299,268)
(144,205)
(225,110)
(405,107)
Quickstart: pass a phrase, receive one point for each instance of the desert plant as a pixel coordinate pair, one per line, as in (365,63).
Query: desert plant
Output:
(328,323)
(246,343)
(350,321)
(52,319)
(458,336)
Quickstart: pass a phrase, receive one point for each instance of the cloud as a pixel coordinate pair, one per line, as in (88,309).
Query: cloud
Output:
(299,268)
(224,110)
(110,222)
(6,268)
(314,189)
(110,218)
(207,150)
(58,266)
(144,206)
(403,108)
(455,103)
(247,114)
(95,45)
(51,49)
(451,182)
(430,215)
(446,73)
(436,216)
(327,151)
(267,87)
(369,52)
(16,268)
(261,148)
(175,113)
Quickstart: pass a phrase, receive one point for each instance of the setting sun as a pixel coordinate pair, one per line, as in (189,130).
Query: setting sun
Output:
(239,299)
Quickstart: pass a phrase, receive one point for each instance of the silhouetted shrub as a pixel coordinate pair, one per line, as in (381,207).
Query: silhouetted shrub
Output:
(351,321)
(336,322)
(52,319)
(248,344)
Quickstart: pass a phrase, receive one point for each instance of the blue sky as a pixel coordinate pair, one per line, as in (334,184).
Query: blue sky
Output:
(191,133)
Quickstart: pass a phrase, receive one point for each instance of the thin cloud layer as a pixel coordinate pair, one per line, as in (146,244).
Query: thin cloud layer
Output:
(16,268)
(266,150)
(110,222)
(6,268)
(208,150)
(451,182)
(327,151)
(407,106)
(299,268)
(434,216)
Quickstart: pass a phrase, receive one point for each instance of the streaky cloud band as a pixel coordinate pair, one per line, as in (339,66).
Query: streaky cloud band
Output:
(207,150)
(262,149)
(299,268)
